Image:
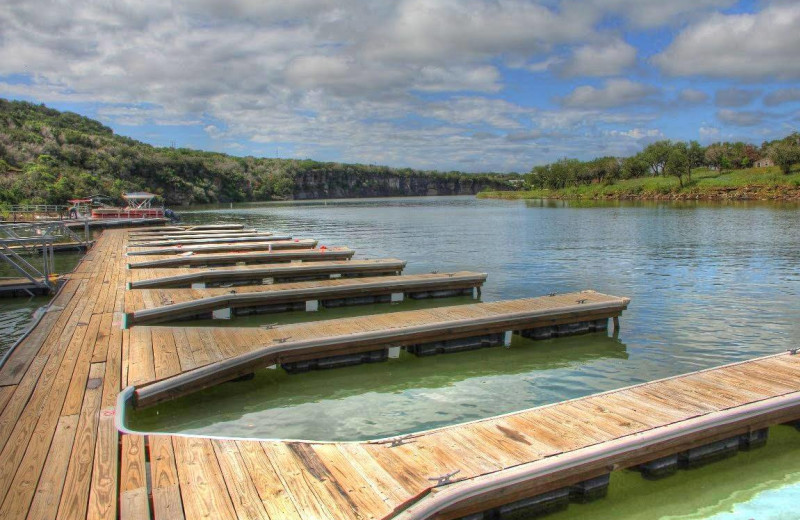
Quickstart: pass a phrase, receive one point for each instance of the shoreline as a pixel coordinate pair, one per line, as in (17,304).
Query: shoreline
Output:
(745,193)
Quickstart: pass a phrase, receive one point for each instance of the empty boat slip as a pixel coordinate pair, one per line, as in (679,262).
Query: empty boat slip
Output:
(259,257)
(143,237)
(256,274)
(232,351)
(263,237)
(158,305)
(263,245)
(210,228)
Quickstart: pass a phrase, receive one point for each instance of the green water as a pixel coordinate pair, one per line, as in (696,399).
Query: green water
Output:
(377,398)
(763,484)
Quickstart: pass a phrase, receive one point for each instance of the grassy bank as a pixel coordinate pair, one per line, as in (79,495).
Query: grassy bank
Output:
(748,184)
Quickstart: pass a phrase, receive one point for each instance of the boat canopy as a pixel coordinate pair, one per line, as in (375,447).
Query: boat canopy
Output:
(139,199)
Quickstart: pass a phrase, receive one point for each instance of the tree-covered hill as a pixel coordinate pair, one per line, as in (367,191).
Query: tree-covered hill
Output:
(48,156)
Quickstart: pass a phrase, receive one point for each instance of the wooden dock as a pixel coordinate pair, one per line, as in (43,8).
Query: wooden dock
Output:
(23,287)
(206,239)
(205,356)
(159,305)
(62,455)
(259,257)
(208,228)
(257,274)
(115,222)
(263,245)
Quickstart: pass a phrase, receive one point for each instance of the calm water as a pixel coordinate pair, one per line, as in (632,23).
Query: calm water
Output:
(710,284)
(17,313)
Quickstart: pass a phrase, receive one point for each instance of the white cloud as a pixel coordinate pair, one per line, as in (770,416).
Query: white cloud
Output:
(708,133)
(735,97)
(405,82)
(746,46)
(543,65)
(654,13)
(437,32)
(608,59)
(741,118)
(614,93)
(692,96)
(786,95)
(639,133)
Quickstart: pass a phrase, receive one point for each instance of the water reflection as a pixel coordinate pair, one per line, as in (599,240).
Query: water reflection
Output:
(370,401)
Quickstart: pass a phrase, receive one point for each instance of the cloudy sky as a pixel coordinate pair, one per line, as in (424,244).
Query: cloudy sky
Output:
(474,85)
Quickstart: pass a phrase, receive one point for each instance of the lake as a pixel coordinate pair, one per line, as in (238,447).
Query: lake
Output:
(709,283)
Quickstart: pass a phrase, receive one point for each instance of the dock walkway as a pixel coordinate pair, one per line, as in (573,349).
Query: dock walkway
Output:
(265,244)
(158,305)
(254,274)
(258,257)
(62,456)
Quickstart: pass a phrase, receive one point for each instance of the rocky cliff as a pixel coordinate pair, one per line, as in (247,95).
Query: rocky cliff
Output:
(335,185)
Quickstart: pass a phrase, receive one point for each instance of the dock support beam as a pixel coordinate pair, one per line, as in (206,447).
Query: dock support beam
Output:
(312,305)
(394,352)
(507,335)
(199,285)
(397,297)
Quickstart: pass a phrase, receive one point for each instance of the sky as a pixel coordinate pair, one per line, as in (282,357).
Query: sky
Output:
(470,85)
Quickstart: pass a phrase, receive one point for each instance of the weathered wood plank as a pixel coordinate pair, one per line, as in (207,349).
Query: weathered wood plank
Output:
(274,496)
(243,493)
(167,501)
(103,490)
(74,499)
(202,486)
(133,482)
(51,482)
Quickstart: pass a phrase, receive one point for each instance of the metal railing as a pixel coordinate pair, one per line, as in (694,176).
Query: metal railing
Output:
(27,212)
(21,243)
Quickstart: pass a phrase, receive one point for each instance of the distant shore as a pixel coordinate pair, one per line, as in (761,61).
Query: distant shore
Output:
(748,184)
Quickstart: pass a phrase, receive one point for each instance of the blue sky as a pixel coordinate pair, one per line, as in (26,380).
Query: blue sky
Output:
(473,85)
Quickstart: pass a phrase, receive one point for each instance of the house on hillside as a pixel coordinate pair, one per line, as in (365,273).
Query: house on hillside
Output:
(763,163)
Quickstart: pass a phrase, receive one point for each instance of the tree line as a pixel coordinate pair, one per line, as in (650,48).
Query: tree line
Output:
(667,158)
(48,157)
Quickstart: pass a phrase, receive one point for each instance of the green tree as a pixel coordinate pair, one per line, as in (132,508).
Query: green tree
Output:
(633,167)
(716,156)
(696,154)
(655,156)
(678,163)
(784,154)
